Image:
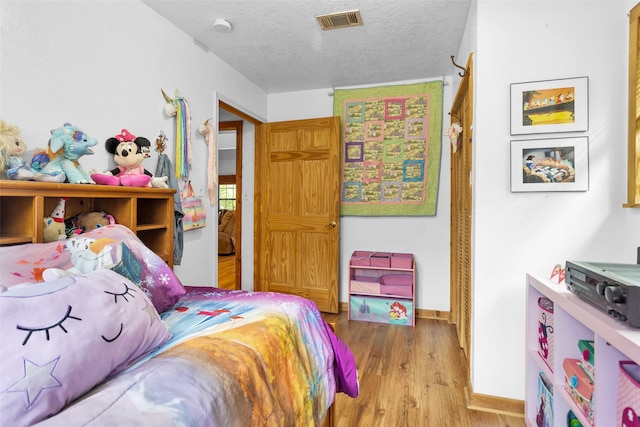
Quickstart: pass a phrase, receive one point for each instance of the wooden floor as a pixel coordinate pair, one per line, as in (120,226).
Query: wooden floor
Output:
(411,377)
(226,271)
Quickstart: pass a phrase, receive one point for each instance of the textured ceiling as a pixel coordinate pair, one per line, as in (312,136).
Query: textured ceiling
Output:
(280,47)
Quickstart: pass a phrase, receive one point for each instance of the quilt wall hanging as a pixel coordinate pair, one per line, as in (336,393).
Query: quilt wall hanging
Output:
(391,147)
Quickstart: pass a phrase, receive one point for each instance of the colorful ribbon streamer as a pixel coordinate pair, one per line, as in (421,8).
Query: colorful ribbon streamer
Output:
(183,138)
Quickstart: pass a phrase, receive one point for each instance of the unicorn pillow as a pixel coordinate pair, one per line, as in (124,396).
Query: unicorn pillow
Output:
(61,338)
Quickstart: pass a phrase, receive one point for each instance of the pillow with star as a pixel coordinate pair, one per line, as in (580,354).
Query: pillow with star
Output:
(61,338)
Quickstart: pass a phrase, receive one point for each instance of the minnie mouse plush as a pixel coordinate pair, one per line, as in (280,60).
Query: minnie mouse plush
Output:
(128,152)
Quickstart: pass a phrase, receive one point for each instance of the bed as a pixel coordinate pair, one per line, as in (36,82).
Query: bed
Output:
(97,330)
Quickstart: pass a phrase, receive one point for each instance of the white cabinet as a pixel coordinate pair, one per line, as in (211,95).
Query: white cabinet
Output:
(574,320)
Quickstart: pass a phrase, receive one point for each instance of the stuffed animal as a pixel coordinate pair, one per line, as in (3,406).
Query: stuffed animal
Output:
(12,165)
(66,146)
(54,226)
(89,254)
(53,230)
(128,152)
(87,221)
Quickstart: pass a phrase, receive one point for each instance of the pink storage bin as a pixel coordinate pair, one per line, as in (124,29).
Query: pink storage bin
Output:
(365,287)
(397,284)
(628,405)
(545,330)
(397,279)
(381,259)
(361,258)
(400,260)
(397,290)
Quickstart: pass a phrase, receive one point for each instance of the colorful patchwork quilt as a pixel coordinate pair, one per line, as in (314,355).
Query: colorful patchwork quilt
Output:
(391,144)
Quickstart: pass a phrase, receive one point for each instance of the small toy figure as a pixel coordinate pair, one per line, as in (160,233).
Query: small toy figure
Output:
(128,152)
(12,148)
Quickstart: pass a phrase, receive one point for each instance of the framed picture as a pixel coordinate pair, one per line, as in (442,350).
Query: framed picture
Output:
(550,106)
(560,164)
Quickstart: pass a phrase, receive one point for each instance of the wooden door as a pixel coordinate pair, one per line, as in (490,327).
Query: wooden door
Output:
(298,209)
(461,213)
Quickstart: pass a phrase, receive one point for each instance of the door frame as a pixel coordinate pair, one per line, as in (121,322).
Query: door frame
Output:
(236,126)
(239,162)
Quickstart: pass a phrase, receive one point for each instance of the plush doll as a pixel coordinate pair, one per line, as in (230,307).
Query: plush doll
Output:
(53,230)
(128,152)
(87,221)
(54,226)
(66,145)
(12,165)
(89,254)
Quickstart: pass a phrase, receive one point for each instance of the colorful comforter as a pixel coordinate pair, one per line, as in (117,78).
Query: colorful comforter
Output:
(235,359)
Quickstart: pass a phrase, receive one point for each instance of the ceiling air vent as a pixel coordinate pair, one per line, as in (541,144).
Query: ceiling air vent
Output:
(334,21)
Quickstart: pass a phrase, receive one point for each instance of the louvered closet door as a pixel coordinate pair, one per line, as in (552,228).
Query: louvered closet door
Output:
(461,213)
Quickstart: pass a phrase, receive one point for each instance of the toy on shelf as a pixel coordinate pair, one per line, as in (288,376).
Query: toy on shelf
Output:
(54,227)
(66,146)
(87,221)
(53,230)
(128,152)
(13,165)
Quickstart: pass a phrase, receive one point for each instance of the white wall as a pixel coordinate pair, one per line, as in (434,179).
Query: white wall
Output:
(515,233)
(100,65)
(426,237)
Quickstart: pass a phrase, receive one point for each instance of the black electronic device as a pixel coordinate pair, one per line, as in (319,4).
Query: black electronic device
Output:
(612,288)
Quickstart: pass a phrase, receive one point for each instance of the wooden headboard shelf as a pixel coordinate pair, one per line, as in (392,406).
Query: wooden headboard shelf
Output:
(148,212)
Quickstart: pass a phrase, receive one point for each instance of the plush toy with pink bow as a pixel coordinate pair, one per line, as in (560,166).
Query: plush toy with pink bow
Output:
(128,152)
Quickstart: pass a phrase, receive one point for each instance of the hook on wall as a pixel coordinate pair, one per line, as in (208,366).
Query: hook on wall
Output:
(161,142)
(464,70)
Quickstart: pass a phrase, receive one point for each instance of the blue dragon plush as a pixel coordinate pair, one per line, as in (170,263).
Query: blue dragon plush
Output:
(66,145)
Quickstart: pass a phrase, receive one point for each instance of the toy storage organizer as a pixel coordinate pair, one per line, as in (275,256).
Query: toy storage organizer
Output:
(382,287)
(588,360)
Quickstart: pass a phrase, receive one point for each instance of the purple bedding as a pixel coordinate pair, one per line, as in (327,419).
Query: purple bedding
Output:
(234,359)
(112,337)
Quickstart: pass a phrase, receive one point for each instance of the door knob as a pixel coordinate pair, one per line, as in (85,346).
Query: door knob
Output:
(332,224)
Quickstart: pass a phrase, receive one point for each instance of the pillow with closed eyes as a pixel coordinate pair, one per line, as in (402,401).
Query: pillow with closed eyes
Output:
(61,338)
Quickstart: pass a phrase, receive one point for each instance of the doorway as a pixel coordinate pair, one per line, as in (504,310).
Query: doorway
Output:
(230,204)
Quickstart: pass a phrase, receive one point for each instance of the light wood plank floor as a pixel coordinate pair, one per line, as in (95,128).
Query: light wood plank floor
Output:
(409,377)
(226,271)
